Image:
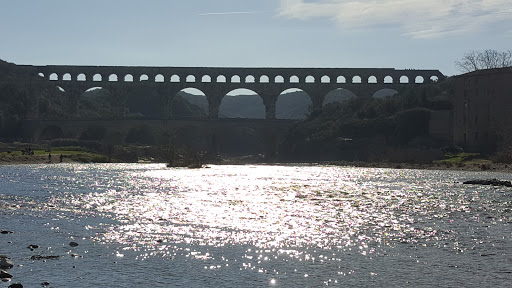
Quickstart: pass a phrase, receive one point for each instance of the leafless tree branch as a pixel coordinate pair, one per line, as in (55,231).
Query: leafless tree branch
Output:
(487,59)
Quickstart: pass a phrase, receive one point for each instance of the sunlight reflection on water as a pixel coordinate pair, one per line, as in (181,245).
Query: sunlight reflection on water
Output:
(289,224)
(273,207)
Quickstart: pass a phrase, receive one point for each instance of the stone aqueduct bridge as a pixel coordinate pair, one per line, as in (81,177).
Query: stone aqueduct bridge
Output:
(215,83)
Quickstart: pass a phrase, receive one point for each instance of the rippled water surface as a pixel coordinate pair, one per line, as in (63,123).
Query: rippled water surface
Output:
(254,226)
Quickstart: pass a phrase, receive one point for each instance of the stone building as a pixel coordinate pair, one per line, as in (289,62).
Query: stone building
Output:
(483,109)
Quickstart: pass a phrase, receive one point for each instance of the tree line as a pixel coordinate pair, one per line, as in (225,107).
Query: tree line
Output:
(485,59)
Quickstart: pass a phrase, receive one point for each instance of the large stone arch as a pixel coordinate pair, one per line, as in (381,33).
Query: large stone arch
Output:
(95,102)
(244,105)
(189,102)
(338,95)
(293,104)
(56,101)
(384,93)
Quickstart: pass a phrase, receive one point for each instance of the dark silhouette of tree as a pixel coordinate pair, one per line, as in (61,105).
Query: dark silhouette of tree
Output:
(486,59)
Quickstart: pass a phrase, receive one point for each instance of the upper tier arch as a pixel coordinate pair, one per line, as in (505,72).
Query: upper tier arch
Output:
(305,75)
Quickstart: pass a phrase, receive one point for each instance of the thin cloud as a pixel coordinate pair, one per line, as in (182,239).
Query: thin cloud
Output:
(417,18)
(229,13)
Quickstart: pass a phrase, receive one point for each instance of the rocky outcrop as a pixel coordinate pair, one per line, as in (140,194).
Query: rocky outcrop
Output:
(493,182)
(5,262)
(4,274)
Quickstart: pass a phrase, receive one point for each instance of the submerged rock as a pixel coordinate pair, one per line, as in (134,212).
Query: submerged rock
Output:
(41,257)
(16,285)
(5,262)
(493,182)
(73,244)
(6,232)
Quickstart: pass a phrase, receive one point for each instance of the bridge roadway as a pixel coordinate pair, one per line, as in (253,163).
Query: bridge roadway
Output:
(215,83)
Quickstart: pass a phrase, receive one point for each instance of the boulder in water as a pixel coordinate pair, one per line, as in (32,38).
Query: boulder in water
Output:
(5,262)
(4,274)
(32,247)
(16,285)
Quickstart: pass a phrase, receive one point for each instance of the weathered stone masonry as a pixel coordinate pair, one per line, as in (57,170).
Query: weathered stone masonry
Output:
(215,83)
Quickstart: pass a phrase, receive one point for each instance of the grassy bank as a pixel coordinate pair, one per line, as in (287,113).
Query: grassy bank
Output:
(62,154)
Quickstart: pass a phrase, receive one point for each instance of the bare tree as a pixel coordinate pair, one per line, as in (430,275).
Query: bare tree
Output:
(486,59)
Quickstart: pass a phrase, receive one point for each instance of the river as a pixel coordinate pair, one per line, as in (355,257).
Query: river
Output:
(145,225)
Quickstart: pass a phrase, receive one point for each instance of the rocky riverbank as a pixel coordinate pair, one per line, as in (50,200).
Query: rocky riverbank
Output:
(6,264)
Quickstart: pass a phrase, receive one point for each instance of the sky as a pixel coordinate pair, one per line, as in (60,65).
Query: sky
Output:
(401,34)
